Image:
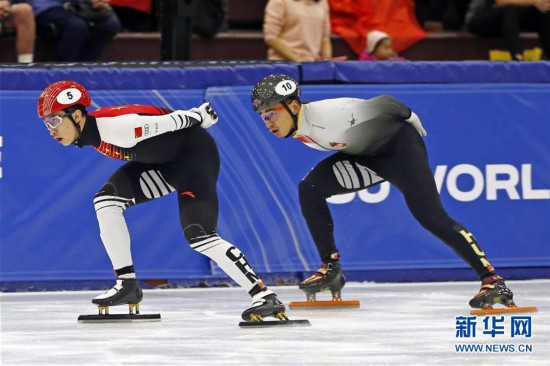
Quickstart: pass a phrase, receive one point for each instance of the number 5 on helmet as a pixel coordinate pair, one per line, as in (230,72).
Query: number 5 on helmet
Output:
(61,95)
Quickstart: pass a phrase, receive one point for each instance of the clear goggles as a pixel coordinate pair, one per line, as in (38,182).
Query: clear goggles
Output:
(272,115)
(53,121)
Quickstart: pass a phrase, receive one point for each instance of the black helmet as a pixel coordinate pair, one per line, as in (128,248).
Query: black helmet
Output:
(274,89)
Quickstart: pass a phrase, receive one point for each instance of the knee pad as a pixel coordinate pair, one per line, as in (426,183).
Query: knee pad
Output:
(108,198)
(195,233)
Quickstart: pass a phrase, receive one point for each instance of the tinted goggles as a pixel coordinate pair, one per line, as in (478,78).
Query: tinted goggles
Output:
(53,121)
(272,115)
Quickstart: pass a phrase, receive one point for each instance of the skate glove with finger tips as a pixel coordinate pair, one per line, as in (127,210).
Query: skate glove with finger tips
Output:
(328,277)
(493,291)
(264,304)
(208,116)
(126,291)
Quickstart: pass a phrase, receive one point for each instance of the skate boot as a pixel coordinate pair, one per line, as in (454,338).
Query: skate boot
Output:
(264,304)
(126,291)
(493,291)
(328,277)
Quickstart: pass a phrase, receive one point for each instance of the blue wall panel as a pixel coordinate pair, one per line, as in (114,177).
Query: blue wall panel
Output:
(490,139)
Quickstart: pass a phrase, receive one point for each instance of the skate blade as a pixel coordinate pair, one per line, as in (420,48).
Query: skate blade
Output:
(513,309)
(118,318)
(276,323)
(340,304)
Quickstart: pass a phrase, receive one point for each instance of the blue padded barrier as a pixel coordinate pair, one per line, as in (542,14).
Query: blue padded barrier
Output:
(421,72)
(170,75)
(161,76)
(442,72)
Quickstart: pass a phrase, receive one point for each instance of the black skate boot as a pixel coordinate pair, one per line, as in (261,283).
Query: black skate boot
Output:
(328,277)
(264,304)
(493,291)
(126,291)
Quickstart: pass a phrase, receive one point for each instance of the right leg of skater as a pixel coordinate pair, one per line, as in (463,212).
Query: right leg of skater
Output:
(404,163)
(195,175)
(337,174)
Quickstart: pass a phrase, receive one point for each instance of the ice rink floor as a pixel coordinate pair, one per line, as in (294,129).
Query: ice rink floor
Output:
(397,324)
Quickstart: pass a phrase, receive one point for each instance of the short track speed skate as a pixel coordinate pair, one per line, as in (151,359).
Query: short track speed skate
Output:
(126,291)
(328,277)
(494,291)
(265,306)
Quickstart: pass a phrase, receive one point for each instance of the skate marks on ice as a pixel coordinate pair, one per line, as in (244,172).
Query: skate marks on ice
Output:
(397,324)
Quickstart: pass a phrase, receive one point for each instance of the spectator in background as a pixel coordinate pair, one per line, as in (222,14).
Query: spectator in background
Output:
(429,14)
(297,30)
(84,28)
(19,15)
(209,18)
(439,15)
(353,20)
(507,18)
(135,15)
(379,48)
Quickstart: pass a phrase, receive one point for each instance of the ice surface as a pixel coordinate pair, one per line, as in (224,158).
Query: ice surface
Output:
(397,324)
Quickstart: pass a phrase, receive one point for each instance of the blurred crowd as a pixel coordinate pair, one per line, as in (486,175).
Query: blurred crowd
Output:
(295,30)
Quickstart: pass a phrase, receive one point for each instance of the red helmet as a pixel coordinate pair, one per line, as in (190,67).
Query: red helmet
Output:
(61,95)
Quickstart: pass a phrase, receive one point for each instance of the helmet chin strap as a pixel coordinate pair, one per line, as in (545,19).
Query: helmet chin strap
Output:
(294,121)
(78,129)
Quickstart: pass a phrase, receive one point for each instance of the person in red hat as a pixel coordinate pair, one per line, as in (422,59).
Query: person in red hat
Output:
(166,151)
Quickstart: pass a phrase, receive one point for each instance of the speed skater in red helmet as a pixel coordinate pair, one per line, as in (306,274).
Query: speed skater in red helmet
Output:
(166,151)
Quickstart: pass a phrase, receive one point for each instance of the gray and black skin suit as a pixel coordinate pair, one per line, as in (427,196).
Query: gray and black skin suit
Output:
(374,142)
